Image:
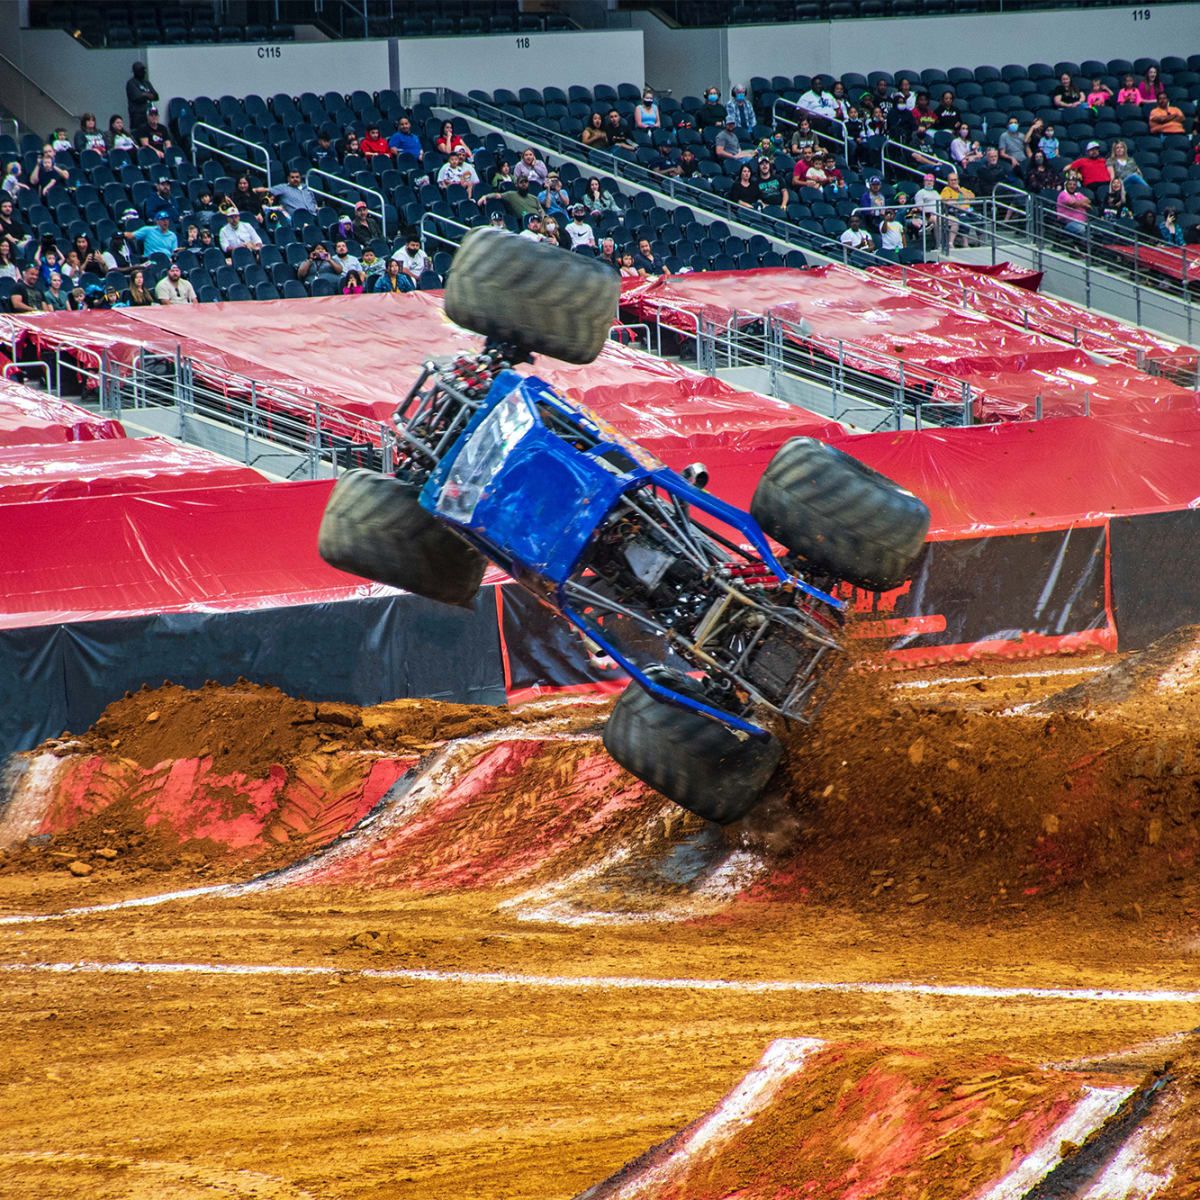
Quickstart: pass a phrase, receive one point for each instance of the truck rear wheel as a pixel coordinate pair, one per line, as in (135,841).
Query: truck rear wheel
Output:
(842,517)
(537,296)
(374,527)
(702,765)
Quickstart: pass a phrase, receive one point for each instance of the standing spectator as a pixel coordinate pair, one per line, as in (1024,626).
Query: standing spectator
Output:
(647,262)
(553,197)
(531,168)
(578,230)
(924,116)
(1012,146)
(1099,94)
(948,116)
(412,258)
(118,136)
(646,115)
(26,296)
(139,95)
(321,262)
(153,134)
(712,111)
(375,143)
(1151,87)
(856,136)
(925,202)
(594,134)
(855,236)
(771,192)
(174,289)
(364,228)
(158,238)
(1073,206)
(405,142)
(727,144)
(956,209)
(455,170)
(818,103)
(740,111)
(48,175)
(1067,95)
(448,142)
(617,130)
(1164,118)
(296,196)
(1093,170)
(238,233)
(140,296)
(394,279)
(88,137)
(891,232)
(744,189)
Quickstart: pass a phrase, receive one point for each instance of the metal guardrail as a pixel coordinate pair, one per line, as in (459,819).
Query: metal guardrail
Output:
(229,154)
(381,212)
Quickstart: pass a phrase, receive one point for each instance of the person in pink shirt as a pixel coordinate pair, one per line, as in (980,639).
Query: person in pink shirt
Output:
(1099,95)
(1073,207)
(1129,93)
(1151,87)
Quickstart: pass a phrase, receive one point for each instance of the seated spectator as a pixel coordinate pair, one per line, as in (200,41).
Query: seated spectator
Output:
(1164,118)
(321,264)
(72,266)
(531,168)
(533,228)
(163,199)
(372,267)
(594,134)
(1151,87)
(12,228)
(364,228)
(12,186)
(249,199)
(456,170)
(553,233)
(948,115)
(1013,148)
(48,175)
(54,297)
(924,116)
(712,111)
(856,136)
(119,255)
(520,202)
(647,262)
(664,162)
(689,164)
(841,101)
(809,171)
(412,258)
(740,111)
(646,115)
(353,283)
(154,134)
(341,254)
(617,130)
(956,210)
(1092,169)
(158,238)
(1099,94)
(1129,93)
(891,232)
(88,137)
(803,137)
(237,232)
(745,188)
(375,143)
(77,299)
(26,296)
(8,267)
(599,199)
(119,138)
(322,152)
(963,150)
(59,142)
(1040,176)
(628,270)
(348,145)
(727,144)
(296,196)
(1067,95)
(1168,230)
(1121,166)
(855,236)
(191,239)
(607,254)
(578,230)
(1113,203)
(1048,143)
(140,296)
(818,103)
(405,142)
(1073,206)
(174,289)
(553,197)
(991,171)
(771,191)
(923,215)
(394,279)
(502,176)
(873,197)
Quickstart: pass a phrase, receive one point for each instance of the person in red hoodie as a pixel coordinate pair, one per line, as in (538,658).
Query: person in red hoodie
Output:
(373,144)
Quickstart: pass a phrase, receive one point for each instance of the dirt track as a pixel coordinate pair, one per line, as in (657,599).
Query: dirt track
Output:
(926,839)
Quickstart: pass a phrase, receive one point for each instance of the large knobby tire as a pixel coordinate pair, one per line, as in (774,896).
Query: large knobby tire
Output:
(538,296)
(702,765)
(844,518)
(374,527)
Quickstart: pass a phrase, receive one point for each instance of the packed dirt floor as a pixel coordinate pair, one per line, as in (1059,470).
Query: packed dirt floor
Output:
(481,963)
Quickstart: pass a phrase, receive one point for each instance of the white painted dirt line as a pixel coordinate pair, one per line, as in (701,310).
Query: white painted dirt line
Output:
(623,982)
(212,889)
(1129,1176)
(1095,1107)
(949,680)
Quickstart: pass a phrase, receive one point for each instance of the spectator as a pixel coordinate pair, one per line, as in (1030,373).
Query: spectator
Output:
(578,230)
(174,289)
(140,296)
(1128,93)
(158,238)
(771,190)
(553,197)
(139,95)
(1040,176)
(349,146)
(1121,166)
(924,116)
(238,233)
(1164,118)
(520,202)
(1114,204)
(26,296)
(364,228)
(353,283)
(744,189)
(72,266)
(646,261)
(879,100)
(818,103)
(689,164)
(956,209)
(809,171)
(856,136)
(531,168)
(841,101)
(8,268)
(599,199)
(964,151)
(553,232)
(296,196)
(533,228)
(628,270)
(394,279)
(191,239)
(54,297)
(12,228)
(991,171)
(646,115)
(502,176)
(1099,94)
(855,236)
(607,254)
(118,136)
(873,197)
(1168,230)
(740,111)
(249,200)
(154,134)
(207,239)
(375,143)
(162,200)
(727,144)
(891,232)
(90,257)
(405,142)
(1073,206)
(322,152)
(664,163)
(341,254)
(88,137)
(203,209)
(372,267)
(412,258)
(1048,143)
(321,264)
(456,170)
(594,135)
(12,186)
(617,130)
(925,202)
(803,136)
(1151,87)
(712,111)
(60,143)
(948,116)
(1012,146)
(1093,170)
(48,175)
(1067,95)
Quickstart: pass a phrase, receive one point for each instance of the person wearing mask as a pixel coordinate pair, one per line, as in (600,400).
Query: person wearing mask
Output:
(646,115)
(1011,145)
(740,111)
(139,95)
(712,111)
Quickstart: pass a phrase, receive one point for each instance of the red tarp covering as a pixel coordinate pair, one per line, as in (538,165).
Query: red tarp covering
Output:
(874,326)
(30,417)
(77,469)
(1177,262)
(1041,474)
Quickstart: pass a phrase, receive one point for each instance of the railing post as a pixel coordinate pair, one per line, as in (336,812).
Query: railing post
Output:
(968,407)
(315,452)
(900,399)
(1037,407)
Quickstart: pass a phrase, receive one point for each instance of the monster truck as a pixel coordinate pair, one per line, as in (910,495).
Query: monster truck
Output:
(722,637)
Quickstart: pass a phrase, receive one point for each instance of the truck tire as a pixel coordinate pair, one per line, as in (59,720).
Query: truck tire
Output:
(842,517)
(544,299)
(699,763)
(374,527)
